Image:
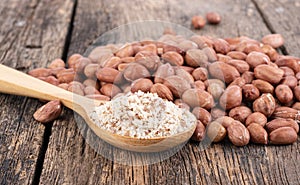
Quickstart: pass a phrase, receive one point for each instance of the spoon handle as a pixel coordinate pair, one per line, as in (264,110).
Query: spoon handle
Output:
(19,83)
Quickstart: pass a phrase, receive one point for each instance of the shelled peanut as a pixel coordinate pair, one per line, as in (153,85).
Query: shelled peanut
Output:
(238,88)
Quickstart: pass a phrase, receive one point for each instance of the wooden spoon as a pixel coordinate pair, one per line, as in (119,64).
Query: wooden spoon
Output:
(18,83)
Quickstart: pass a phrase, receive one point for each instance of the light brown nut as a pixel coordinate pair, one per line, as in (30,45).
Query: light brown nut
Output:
(250,92)
(268,73)
(142,84)
(258,134)
(237,55)
(263,86)
(57,63)
(196,58)
(282,122)
(290,81)
(127,60)
(186,68)
(288,61)
(99,97)
(64,86)
(238,81)
(99,54)
(177,85)
(232,97)
(162,91)
(223,58)
(148,59)
(226,121)
(173,58)
(91,82)
(238,134)
(200,73)
(297,92)
(284,93)
(90,90)
(258,118)
(223,71)
(112,62)
(55,71)
(209,82)
(248,77)
(185,75)
(199,85)
(198,98)
(283,136)
(202,114)
(210,53)
(240,65)
(149,48)
(217,112)
(110,90)
(221,46)
(198,22)
(287,71)
(265,104)
(200,41)
(257,58)
(240,113)
(126,50)
(48,112)
(40,72)
(163,72)
(213,18)
(216,90)
(135,71)
(187,44)
(274,40)
(66,76)
(297,107)
(80,64)
(109,75)
(76,88)
(270,51)
(199,133)
(122,66)
(50,79)
(215,132)
(73,59)
(90,70)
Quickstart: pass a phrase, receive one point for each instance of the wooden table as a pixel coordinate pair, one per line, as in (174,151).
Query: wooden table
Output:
(34,32)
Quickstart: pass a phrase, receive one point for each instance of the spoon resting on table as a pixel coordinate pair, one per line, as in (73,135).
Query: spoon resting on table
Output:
(19,83)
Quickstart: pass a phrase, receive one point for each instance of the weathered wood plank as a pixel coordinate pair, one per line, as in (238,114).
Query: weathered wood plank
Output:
(70,160)
(283,17)
(32,33)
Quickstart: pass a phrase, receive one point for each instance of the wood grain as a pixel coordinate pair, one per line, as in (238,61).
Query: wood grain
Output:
(28,39)
(283,17)
(71,160)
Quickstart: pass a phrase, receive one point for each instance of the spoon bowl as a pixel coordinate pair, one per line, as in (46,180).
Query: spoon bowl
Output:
(18,83)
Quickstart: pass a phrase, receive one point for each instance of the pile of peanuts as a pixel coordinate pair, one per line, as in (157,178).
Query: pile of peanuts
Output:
(238,88)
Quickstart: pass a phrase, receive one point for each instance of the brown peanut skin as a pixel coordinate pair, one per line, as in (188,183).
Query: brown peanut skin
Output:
(268,73)
(202,114)
(223,71)
(256,117)
(213,18)
(283,136)
(198,98)
(135,71)
(162,91)
(177,85)
(226,121)
(40,72)
(110,90)
(109,75)
(173,58)
(256,58)
(199,133)
(196,58)
(274,40)
(232,97)
(48,112)
(238,134)
(250,92)
(265,104)
(297,92)
(240,113)
(281,122)
(263,86)
(258,134)
(142,84)
(215,132)
(284,93)
(287,113)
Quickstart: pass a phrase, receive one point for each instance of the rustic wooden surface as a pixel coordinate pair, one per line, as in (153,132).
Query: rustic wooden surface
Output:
(35,31)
